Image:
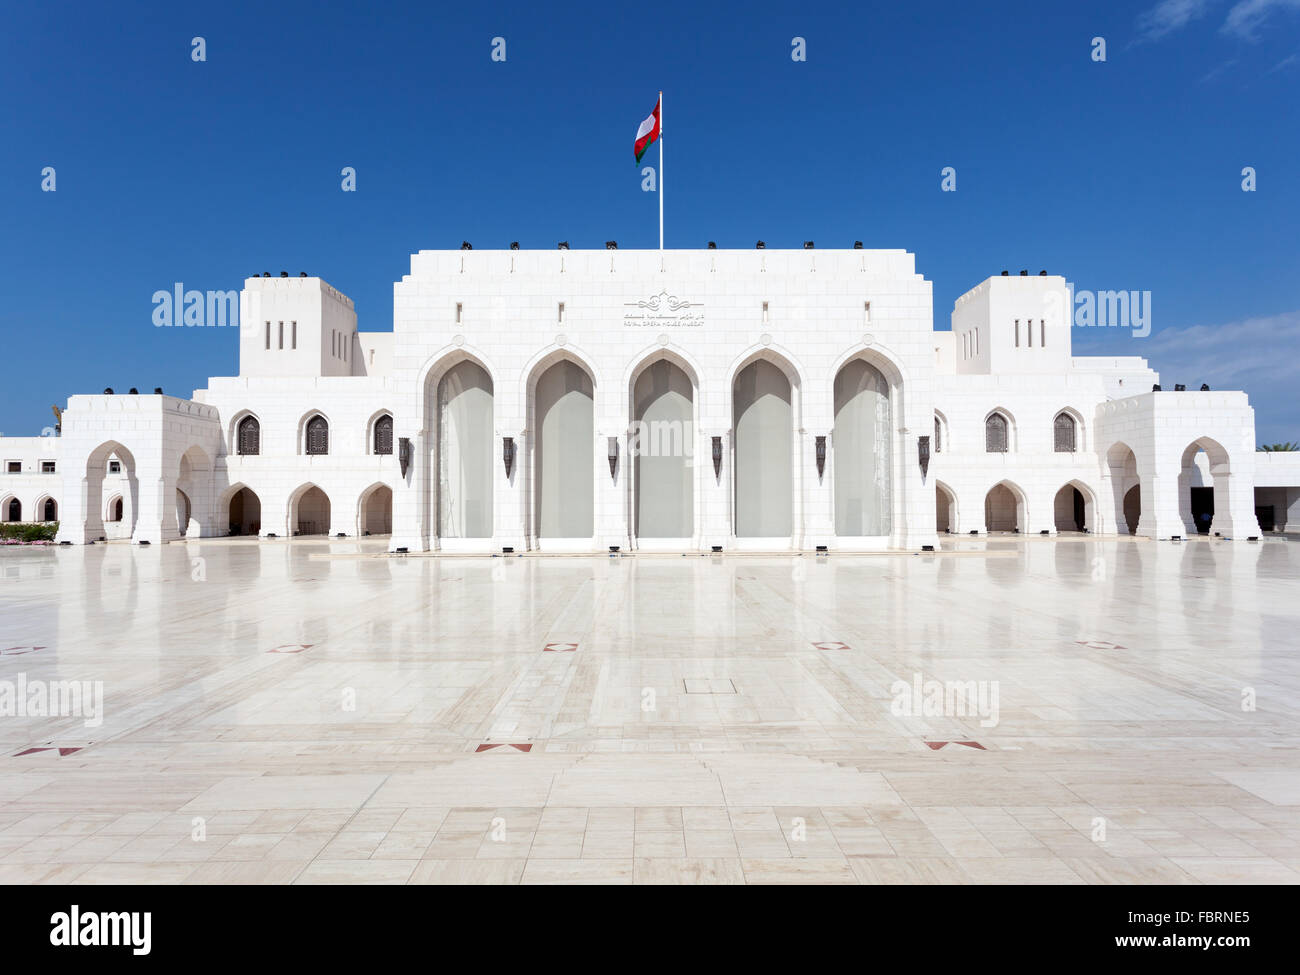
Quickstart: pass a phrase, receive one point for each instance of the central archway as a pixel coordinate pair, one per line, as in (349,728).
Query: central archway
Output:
(1073,509)
(244,513)
(661,446)
(564,453)
(309,511)
(763,437)
(1004,508)
(863,455)
(375,511)
(465,430)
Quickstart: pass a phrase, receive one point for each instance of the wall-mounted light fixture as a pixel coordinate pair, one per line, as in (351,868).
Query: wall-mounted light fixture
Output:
(717,459)
(923,453)
(404,453)
(508,454)
(821,457)
(612,453)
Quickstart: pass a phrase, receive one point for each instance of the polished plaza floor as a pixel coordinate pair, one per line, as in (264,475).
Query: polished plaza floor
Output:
(319,712)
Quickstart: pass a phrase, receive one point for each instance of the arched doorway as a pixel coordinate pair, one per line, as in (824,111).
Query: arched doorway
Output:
(1204,482)
(465,437)
(863,451)
(1122,469)
(1133,508)
(112,496)
(244,513)
(1069,509)
(564,452)
(763,424)
(376,511)
(182,512)
(310,512)
(1003,509)
(13,510)
(662,446)
(50,510)
(945,509)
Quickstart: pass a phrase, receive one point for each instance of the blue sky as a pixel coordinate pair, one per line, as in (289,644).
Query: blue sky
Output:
(1121,175)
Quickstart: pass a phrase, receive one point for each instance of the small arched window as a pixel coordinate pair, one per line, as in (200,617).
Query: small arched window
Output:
(384,435)
(249,437)
(14,510)
(51,512)
(1064,430)
(995,434)
(318,435)
(115,509)
(938,436)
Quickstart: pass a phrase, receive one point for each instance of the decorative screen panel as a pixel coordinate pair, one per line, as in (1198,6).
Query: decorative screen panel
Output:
(1064,431)
(384,435)
(318,435)
(250,436)
(995,434)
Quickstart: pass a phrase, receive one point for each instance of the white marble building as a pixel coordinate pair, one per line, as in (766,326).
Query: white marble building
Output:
(573,401)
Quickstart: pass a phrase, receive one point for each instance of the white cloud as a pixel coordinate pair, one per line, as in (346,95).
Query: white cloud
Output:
(1247,16)
(1254,354)
(1169,16)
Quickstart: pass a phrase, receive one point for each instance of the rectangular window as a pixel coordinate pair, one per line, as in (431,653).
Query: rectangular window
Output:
(866,313)
(977,341)
(1017,333)
(13,466)
(1030,332)
(560,313)
(293,335)
(334,343)
(459,309)
(268,335)
(1042,333)
(282,335)
(47,467)
(765,311)
(115,467)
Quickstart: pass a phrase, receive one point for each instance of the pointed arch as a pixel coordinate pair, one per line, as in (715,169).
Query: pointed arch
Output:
(660,475)
(999,431)
(1005,507)
(245,434)
(314,429)
(562,455)
(947,515)
(1074,507)
(309,511)
(375,510)
(239,511)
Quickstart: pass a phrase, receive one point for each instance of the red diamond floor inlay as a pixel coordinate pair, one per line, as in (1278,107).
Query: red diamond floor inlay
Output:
(831,645)
(559,648)
(63,751)
(488,745)
(1099,645)
(936,745)
(291,648)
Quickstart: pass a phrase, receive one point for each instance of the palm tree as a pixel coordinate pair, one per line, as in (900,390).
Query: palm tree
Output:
(1279,447)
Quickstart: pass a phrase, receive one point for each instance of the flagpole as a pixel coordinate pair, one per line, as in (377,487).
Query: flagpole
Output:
(661,170)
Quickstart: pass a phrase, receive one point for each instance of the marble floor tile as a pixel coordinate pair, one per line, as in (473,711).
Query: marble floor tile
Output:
(772,753)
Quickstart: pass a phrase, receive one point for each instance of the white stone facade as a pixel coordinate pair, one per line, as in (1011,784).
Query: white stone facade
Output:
(763,353)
